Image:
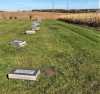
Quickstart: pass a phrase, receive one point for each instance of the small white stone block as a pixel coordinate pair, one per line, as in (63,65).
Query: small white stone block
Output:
(24,74)
(30,32)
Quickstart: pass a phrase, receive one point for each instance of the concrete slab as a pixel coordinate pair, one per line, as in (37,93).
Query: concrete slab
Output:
(18,43)
(24,74)
(29,32)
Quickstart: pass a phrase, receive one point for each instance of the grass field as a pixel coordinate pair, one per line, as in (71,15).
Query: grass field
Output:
(72,50)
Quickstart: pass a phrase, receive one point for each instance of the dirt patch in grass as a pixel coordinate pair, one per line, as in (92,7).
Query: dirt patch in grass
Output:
(1,33)
(50,71)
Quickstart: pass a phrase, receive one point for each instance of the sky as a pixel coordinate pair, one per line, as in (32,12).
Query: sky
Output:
(47,4)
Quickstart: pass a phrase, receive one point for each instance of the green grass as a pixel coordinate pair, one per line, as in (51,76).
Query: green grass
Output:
(74,52)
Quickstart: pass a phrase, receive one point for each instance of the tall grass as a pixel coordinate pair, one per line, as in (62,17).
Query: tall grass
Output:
(91,19)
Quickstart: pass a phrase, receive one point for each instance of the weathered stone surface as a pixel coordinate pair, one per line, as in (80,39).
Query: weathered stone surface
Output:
(24,74)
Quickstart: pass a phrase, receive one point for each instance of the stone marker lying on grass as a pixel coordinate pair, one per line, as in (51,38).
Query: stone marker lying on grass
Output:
(35,23)
(30,32)
(37,28)
(18,43)
(24,74)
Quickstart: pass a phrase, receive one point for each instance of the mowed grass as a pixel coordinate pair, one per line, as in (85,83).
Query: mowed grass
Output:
(74,52)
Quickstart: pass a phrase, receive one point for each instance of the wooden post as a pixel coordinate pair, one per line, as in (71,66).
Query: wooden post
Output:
(30,17)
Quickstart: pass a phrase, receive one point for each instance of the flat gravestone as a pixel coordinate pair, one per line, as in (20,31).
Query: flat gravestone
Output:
(34,27)
(29,32)
(35,23)
(18,43)
(24,74)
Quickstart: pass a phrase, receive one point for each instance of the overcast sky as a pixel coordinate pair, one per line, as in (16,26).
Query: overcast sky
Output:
(47,4)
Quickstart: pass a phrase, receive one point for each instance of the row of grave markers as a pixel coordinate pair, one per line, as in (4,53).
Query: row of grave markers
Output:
(35,27)
(25,74)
